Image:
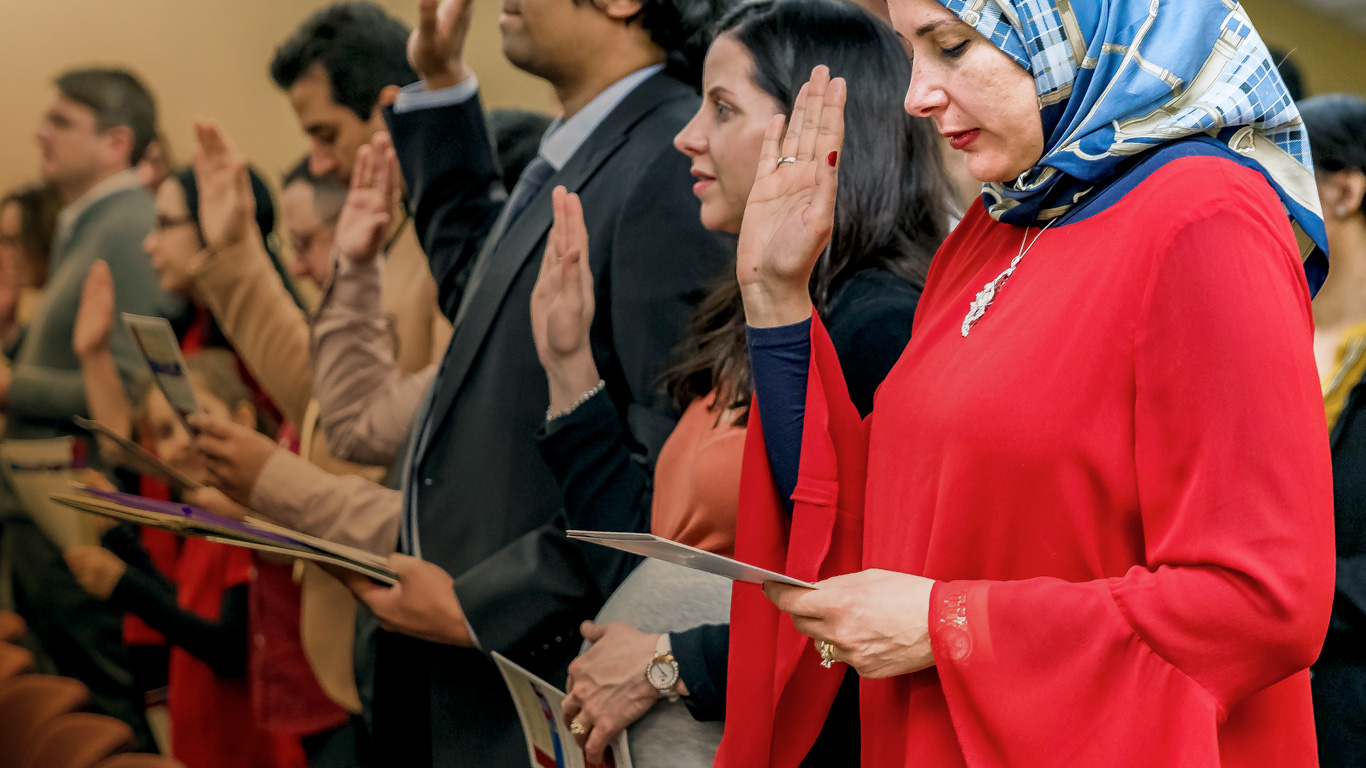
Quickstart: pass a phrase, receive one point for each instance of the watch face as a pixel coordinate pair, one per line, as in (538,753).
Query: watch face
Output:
(662,675)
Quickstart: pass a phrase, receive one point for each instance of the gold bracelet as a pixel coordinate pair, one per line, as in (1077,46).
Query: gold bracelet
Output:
(585,397)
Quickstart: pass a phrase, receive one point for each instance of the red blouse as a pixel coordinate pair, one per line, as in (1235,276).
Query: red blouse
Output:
(1119,479)
(212,724)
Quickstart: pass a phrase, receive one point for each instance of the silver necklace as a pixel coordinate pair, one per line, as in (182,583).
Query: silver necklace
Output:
(979,305)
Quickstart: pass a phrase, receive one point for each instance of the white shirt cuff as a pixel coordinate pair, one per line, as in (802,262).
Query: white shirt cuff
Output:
(416,96)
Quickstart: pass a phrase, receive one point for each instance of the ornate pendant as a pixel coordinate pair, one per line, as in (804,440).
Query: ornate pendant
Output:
(979,305)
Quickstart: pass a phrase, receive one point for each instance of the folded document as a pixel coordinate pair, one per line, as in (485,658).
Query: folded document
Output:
(254,534)
(649,545)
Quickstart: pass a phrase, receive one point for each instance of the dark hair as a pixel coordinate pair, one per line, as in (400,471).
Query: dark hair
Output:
(892,209)
(265,223)
(329,193)
(1336,124)
(1290,72)
(684,29)
(118,99)
(38,208)
(362,49)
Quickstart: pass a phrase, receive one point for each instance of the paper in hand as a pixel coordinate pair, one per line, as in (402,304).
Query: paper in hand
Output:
(159,347)
(137,459)
(649,545)
(548,740)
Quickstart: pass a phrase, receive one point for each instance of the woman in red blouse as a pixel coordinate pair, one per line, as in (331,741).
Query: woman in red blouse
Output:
(1091,511)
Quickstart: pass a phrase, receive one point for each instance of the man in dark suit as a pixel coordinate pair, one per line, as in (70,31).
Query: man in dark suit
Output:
(479,504)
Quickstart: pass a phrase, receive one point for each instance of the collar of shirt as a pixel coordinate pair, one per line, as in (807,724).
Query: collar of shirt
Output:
(66,218)
(564,137)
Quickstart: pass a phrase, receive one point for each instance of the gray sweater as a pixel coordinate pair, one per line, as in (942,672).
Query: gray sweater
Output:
(46,388)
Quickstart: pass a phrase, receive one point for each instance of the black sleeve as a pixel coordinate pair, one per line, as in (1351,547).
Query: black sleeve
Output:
(869,331)
(702,654)
(221,644)
(535,591)
(605,487)
(123,540)
(454,185)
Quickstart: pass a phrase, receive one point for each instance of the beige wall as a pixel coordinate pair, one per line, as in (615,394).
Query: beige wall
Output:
(1330,53)
(209,58)
(201,57)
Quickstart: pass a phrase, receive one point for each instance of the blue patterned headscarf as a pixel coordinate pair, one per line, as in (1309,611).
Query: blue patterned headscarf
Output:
(1119,77)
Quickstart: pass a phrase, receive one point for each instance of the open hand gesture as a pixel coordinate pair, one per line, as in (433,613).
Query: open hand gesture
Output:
(791,210)
(227,207)
(436,47)
(364,221)
(562,305)
(95,318)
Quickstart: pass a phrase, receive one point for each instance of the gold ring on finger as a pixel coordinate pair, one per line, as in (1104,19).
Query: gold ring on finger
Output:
(577,728)
(827,652)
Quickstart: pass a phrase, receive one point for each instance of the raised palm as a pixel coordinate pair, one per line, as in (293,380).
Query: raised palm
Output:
(226,204)
(364,221)
(95,318)
(436,46)
(791,209)
(562,303)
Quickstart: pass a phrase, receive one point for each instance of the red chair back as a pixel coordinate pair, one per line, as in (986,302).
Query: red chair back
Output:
(79,740)
(27,704)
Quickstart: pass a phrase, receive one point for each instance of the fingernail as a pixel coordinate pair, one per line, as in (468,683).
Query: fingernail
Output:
(833,158)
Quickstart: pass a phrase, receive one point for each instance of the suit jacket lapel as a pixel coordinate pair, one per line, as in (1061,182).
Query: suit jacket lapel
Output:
(521,242)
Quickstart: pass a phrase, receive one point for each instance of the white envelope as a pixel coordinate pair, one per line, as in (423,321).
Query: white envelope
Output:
(649,545)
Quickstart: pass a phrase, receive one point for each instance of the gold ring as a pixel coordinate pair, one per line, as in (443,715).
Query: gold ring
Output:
(827,652)
(576,728)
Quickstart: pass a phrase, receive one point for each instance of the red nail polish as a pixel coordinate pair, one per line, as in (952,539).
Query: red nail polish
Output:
(834,156)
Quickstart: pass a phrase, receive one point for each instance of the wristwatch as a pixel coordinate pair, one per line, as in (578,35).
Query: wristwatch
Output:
(662,671)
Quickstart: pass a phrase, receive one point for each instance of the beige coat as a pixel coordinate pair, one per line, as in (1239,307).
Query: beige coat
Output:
(271,335)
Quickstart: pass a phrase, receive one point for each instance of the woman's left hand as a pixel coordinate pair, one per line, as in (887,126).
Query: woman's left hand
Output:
(607,689)
(877,621)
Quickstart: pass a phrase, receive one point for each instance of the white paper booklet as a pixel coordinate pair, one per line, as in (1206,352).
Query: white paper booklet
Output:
(549,744)
(36,469)
(157,342)
(649,545)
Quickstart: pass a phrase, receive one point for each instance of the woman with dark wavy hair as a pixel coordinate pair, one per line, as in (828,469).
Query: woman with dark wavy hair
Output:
(891,215)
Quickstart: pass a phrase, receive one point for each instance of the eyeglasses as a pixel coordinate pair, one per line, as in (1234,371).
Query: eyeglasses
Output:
(302,240)
(163,223)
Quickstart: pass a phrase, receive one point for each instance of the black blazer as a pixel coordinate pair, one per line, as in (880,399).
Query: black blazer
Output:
(487,506)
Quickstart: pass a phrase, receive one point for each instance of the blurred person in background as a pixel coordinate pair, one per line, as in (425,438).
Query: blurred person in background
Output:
(1337,133)
(28,222)
(202,605)
(156,164)
(94,130)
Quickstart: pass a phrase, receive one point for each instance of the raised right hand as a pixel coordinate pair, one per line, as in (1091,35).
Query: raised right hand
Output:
(227,207)
(436,46)
(562,305)
(95,318)
(790,214)
(364,221)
